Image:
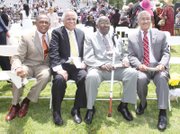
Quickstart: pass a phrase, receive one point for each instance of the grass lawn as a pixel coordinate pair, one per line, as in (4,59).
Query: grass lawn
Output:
(175,51)
(39,117)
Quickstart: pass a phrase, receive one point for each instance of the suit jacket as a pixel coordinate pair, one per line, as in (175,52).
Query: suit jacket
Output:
(59,51)
(95,53)
(30,51)
(159,45)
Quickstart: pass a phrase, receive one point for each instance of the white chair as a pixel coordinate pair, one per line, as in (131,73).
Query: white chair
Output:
(6,50)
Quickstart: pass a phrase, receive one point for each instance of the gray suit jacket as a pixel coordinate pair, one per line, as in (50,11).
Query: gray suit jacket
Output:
(160,48)
(95,53)
(30,51)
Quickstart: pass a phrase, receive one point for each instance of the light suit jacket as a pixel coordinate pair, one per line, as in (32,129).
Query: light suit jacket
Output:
(95,53)
(159,45)
(30,51)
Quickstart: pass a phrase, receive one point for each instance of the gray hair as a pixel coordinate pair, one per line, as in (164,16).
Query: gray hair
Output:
(142,13)
(67,11)
(102,18)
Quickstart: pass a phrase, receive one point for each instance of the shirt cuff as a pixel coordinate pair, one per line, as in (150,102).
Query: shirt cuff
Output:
(57,68)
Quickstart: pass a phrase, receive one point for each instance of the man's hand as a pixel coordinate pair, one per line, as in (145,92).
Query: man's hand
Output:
(63,73)
(143,68)
(125,62)
(21,72)
(7,34)
(107,67)
(83,65)
(160,67)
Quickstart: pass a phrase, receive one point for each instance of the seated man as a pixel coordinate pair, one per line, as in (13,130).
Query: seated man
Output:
(66,53)
(32,61)
(148,48)
(98,53)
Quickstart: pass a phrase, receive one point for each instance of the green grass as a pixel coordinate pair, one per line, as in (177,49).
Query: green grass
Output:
(39,117)
(175,51)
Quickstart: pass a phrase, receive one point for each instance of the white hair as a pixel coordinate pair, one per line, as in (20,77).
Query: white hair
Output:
(143,12)
(67,11)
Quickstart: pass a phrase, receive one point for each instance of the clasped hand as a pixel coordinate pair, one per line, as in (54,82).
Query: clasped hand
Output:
(63,73)
(21,72)
(144,68)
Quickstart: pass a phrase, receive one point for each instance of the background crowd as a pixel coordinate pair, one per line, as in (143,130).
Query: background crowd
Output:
(163,14)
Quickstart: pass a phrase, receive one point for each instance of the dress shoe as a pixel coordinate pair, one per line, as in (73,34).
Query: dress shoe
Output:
(24,108)
(140,109)
(12,112)
(57,118)
(89,116)
(125,112)
(76,115)
(162,122)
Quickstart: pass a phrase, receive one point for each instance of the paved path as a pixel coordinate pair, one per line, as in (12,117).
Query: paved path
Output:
(175,60)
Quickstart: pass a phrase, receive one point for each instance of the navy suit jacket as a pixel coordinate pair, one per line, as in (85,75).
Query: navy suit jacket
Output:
(59,50)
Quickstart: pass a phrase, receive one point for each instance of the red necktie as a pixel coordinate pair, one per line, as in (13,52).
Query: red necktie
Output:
(146,49)
(45,46)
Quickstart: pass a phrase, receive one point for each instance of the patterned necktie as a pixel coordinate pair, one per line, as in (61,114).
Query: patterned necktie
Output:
(73,50)
(106,43)
(45,46)
(146,49)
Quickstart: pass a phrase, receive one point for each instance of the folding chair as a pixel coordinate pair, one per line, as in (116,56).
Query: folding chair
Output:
(6,50)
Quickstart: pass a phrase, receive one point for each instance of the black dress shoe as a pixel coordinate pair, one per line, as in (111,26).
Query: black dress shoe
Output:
(76,115)
(162,122)
(140,109)
(125,112)
(89,116)
(57,119)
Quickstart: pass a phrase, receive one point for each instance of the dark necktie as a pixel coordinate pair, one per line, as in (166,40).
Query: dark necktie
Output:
(146,49)
(45,46)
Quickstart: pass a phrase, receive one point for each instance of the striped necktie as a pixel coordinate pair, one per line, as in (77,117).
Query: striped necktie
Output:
(146,49)
(45,46)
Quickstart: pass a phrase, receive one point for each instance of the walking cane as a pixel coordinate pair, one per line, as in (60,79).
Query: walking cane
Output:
(112,80)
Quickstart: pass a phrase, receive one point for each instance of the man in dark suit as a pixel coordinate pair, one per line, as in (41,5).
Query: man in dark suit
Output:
(156,55)
(66,52)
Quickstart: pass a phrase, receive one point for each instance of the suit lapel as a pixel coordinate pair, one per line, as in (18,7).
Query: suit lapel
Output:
(153,37)
(66,38)
(37,43)
(140,42)
(77,39)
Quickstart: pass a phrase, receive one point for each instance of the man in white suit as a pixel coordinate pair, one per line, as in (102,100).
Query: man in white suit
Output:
(32,60)
(158,57)
(98,52)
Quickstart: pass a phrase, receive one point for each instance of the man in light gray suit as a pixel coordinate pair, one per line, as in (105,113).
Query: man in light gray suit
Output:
(31,61)
(158,57)
(98,53)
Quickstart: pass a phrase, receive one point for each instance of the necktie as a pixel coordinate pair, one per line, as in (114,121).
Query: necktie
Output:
(45,46)
(73,50)
(106,43)
(146,49)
